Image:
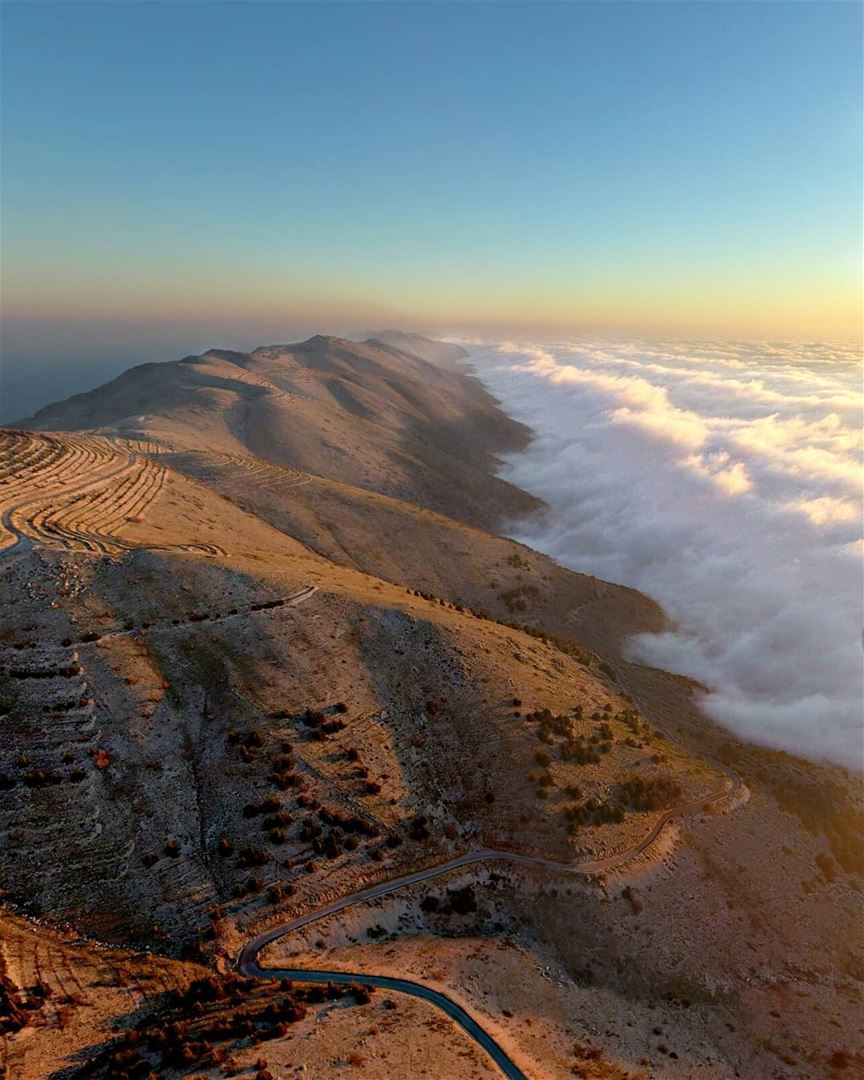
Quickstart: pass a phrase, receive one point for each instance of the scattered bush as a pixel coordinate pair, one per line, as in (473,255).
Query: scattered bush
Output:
(418,829)
(463,901)
(254,856)
(654,793)
(101,758)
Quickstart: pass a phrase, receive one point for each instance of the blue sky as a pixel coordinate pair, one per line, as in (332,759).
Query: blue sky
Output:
(682,166)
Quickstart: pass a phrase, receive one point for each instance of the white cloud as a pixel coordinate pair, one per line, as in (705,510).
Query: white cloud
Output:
(724,481)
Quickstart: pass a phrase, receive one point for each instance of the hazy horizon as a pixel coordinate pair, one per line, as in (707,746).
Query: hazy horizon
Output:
(509,170)
(36,374)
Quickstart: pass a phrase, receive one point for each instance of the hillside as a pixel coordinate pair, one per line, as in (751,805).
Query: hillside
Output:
(263,651)
(365,414)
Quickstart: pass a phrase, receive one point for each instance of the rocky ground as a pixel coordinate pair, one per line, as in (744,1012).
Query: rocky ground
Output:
(237,685)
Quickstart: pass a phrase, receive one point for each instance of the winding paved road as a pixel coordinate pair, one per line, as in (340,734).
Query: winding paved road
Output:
(402,986)
(248,958)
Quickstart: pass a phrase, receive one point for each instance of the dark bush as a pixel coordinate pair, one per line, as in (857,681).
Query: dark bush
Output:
(418,829)
(254,856)
(463,900)
(654,793)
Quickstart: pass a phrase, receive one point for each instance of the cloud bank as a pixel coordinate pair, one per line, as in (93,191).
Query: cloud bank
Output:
(725,482)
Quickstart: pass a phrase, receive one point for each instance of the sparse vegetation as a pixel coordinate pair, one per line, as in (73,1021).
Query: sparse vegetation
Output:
(198,1027)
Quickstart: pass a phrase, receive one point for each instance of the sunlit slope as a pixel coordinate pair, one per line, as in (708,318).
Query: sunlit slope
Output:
(104,496)
(368,415)
(76,492)
(74,1008)
(407,544)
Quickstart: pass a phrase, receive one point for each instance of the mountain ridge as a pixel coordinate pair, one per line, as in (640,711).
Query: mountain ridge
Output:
(264,650)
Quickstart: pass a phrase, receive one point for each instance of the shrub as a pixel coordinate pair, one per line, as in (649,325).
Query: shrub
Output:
(101,758)
(655,793)
(463,900)
(418,830)
(36,778)
(254,856)
(361,994)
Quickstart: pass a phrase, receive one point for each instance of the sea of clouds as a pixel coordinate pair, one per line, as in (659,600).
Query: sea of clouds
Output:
(724,481)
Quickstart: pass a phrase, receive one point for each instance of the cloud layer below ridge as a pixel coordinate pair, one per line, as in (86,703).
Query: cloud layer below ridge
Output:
(723,480)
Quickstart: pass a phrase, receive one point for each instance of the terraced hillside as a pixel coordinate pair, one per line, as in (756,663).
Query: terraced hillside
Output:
(367,414)
(72,1008)
(73,492)
(238,476)
(270,694)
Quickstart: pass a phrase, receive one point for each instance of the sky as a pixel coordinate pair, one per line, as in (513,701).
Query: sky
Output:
(181,174)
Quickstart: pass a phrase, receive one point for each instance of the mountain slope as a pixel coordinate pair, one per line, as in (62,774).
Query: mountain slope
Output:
(366,414)
(263,651)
